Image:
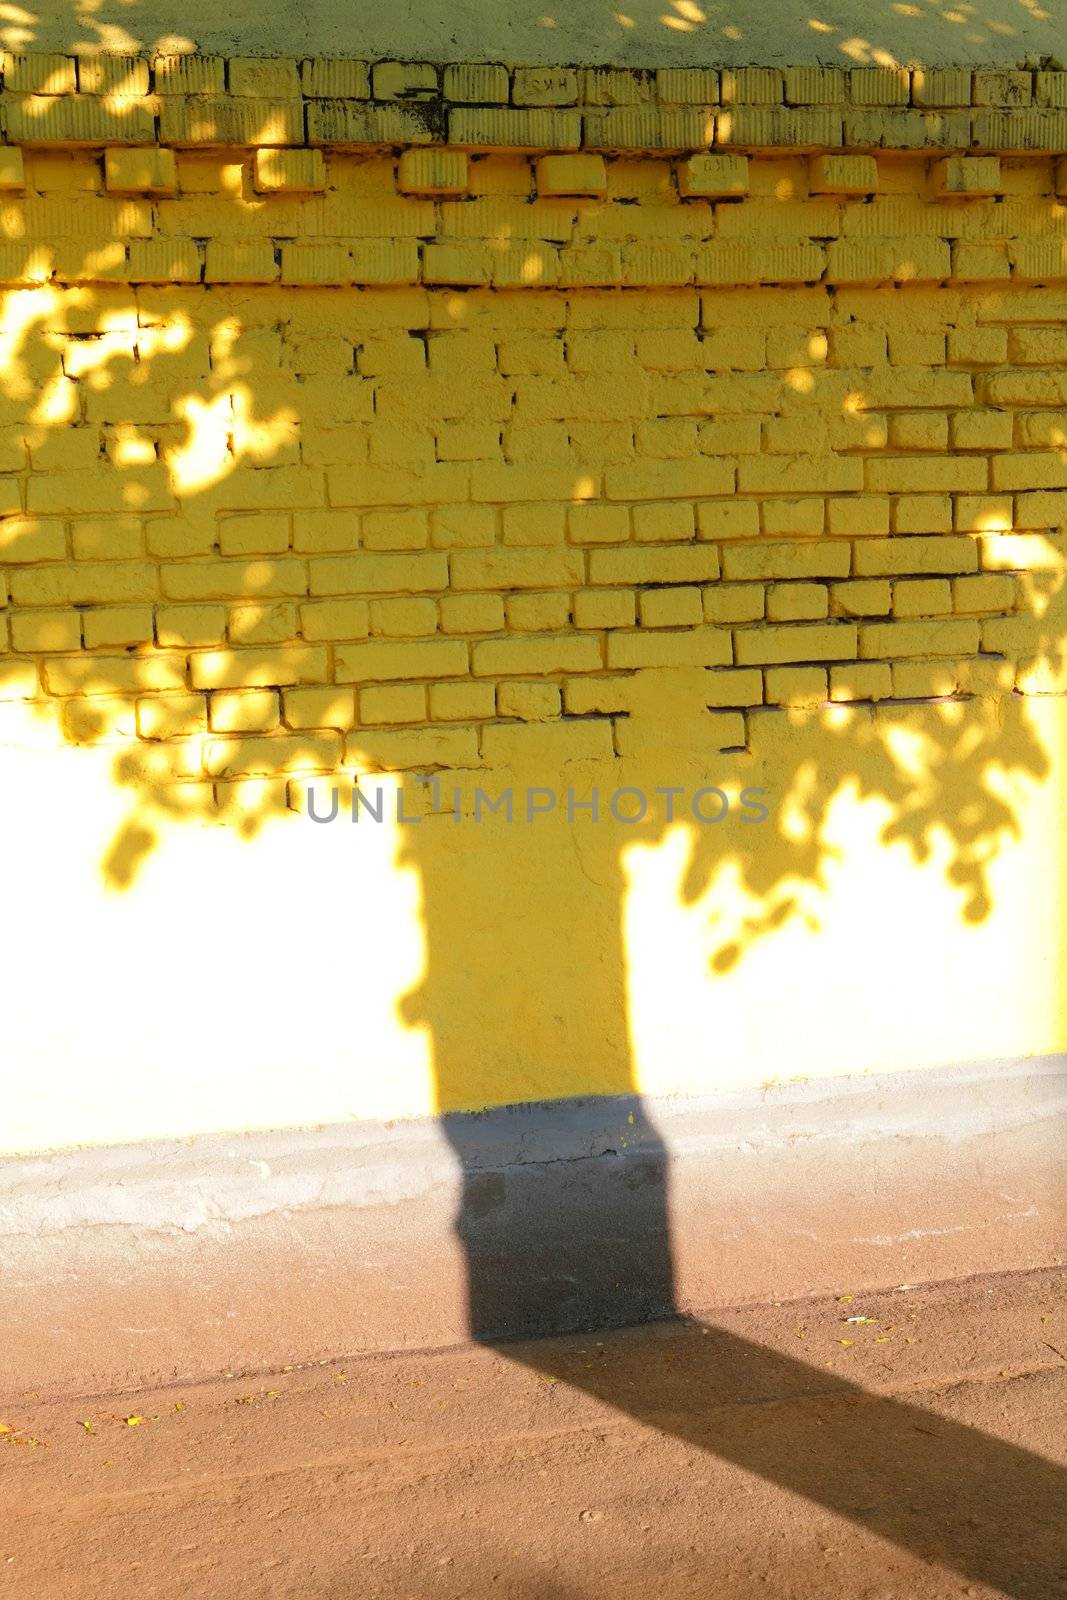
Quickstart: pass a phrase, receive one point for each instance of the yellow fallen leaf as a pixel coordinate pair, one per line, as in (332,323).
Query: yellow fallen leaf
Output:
(845,1299)
(134,1422)
(844,1341)
(86,1425)
(5,1427)
(883,1338)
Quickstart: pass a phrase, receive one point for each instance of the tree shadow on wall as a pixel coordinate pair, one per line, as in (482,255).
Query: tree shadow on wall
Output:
(564,1217)
(524,946)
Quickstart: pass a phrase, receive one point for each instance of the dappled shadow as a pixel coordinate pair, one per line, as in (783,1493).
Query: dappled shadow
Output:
(643,33)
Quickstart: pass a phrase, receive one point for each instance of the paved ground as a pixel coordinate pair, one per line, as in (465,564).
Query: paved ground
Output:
(781,1451)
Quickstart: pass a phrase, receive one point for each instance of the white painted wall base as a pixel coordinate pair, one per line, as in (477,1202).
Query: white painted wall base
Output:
(238,1252)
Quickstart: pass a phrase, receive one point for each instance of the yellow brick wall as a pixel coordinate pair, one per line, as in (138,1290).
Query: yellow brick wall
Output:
(255,525)
(320,460)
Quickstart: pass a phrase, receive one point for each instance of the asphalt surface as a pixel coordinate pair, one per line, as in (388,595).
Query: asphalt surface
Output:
(780,1450)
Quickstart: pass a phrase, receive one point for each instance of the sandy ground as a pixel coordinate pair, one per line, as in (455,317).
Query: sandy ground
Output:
(780,1451)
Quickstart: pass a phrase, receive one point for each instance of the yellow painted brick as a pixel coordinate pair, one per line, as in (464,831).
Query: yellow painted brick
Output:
(657,564)
(797,602)
(251,262)
(946,86)
(820,558)
(12,173)
(266,79)
(266,754)
(463,265)
(861,680)
(615,86)
(752,86)
(34,631)
(100,674)
(834,174)
(943,637)
(228,121)
(247,711)
(473,613)
(49,74)
(324,707)
(585,696)
(671,608)
(433,172)
(18,679)
(535,655)
(103,718)
(544,86)
(734,686)
(918,430)
(107,539)
(922,597)
(145,171)
(713,177)
(529,702)
(771,128)
(660,523)
(584,174)
(113,75)
(862,516)
(606,608)
(805,516)
(887,261)
(272,622)
(163,261)
(727,519)
(379,660)
(983,592)
(974,176)
(117,625)
(488,128)
(538,613)
(346,122)
(887,557)
(734,602)
(288,171)
(804,687)
(29,539)
(414,749)
(462,702)
(403,618)
(693,647)
(420,572)
(864,597)
(212,580)
(188,74)
(925,680)
(334,619)
(258,668)
(807,86)
(323,78)
(171,716)
(190,625)
(687,85)
(922,513)
(403,702)
(1002,88)
(646,127)
(800,641)
(266,533)
(476,85)
(980,430)
(879,86)
(403,80)
(980,263)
